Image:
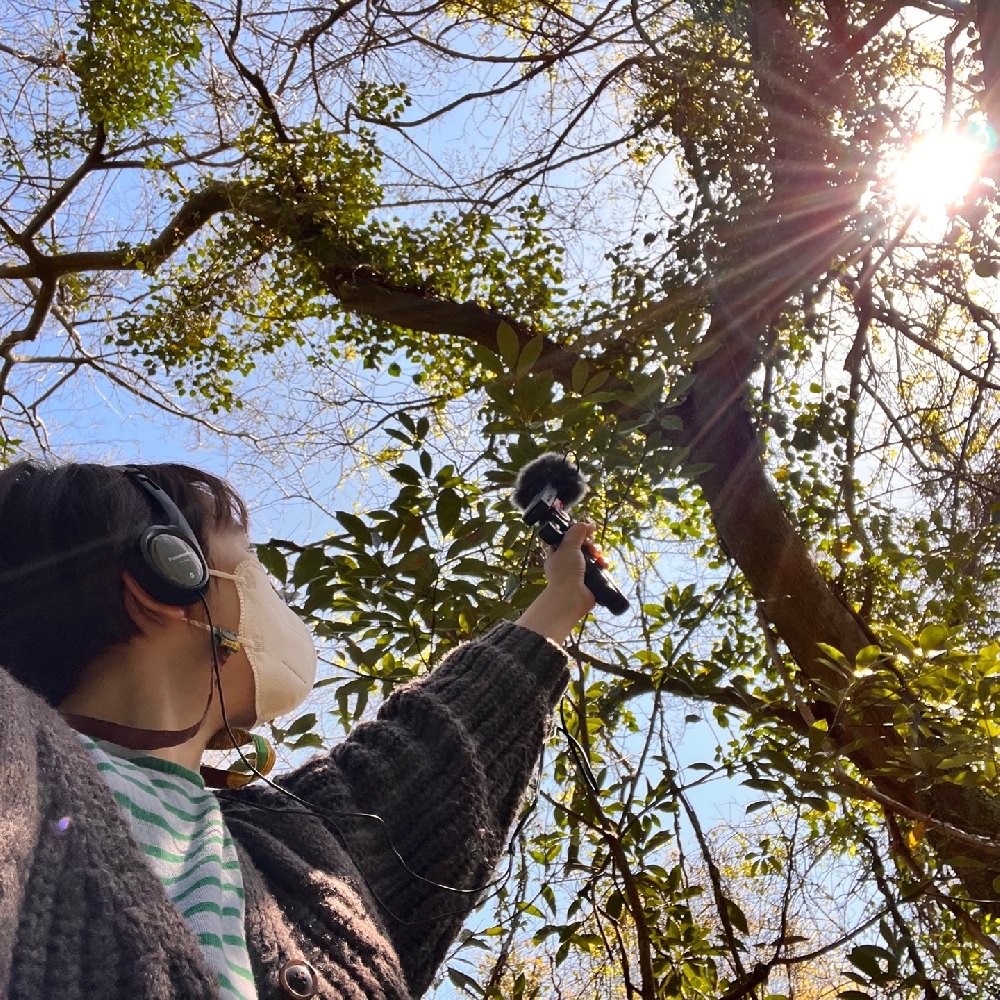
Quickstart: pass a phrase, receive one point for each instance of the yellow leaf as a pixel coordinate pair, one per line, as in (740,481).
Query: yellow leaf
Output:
(991,728)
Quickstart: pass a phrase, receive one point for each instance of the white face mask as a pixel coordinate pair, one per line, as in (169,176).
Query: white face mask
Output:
(277,641)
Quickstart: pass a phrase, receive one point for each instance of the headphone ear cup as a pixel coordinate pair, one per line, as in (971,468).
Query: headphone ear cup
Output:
(166,559)
(168,567)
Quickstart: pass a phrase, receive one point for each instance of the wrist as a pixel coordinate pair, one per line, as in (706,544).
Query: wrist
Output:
(573,597)
(556,611)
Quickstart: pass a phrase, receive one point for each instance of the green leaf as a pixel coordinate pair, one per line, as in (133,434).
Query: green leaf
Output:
(737,917)
(836,656)
(529,355)
(867,656)
(900,640)
(934,637)
(508,344)
(595,382)
(412,529)
(449,507)
(696,470)
(465,983)
(308,740)
(578,379)
(273,560)
(307,565)
(405,474)
(301,725)
(867,958)
(702,350)
(354,526)
(490,361)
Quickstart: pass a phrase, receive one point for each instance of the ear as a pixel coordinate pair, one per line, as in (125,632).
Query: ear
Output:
(144,610)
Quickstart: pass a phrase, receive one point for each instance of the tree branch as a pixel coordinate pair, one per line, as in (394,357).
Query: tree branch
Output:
(43,302)
(311,34)
(214,198)
(647,984)
(715,877)
(39,61)
(983,845)
(987,14)
(865,34)
(68,186)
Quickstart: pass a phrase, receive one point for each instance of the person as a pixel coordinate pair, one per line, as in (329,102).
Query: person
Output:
(122,874)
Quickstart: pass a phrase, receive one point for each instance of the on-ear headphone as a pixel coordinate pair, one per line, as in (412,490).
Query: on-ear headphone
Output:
(166,559)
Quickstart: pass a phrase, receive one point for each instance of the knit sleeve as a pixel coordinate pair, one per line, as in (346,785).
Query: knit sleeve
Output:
(443,767)
(19,811)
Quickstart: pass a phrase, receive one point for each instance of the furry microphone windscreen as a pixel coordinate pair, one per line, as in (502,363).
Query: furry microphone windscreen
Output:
(549,469)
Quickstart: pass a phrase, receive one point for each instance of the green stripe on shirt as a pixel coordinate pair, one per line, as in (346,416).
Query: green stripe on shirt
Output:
(173,858)
(150,787)
(180,830)
(209,880)
(159,819)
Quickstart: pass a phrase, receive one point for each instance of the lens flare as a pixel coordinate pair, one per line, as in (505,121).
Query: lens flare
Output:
(939,170)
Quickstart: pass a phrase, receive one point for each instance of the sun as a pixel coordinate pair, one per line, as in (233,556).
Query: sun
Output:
(938,170)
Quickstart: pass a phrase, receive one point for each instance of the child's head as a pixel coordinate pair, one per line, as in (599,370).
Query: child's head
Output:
(65,534)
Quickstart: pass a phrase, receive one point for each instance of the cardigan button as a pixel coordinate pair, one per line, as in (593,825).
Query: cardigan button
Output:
(298,979)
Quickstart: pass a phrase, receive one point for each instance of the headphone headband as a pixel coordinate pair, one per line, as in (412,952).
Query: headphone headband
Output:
(166,559)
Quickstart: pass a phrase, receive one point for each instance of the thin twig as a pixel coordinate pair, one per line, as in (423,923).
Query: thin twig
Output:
(953,832)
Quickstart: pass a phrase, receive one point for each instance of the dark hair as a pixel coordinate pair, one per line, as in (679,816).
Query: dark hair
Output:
(65,532)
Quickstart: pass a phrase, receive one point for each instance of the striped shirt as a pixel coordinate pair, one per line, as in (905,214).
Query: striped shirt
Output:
(179,828)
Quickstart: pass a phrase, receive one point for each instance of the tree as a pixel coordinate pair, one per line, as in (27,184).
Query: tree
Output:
(852,523)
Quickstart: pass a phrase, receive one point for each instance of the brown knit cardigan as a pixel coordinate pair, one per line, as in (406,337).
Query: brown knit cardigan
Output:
(445,764)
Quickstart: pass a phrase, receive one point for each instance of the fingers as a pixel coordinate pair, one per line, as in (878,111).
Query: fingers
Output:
(576,536)
(580,533)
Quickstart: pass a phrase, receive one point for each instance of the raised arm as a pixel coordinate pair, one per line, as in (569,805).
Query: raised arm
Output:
(444,766)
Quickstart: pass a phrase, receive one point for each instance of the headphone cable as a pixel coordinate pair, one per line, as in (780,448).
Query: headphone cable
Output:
(312,810)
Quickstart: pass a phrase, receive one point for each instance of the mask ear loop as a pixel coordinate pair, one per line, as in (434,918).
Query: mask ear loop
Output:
(311,810)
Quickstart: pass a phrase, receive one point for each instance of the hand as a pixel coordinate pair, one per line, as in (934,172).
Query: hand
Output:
(566,599)
(565,568)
